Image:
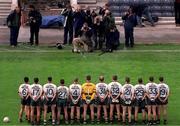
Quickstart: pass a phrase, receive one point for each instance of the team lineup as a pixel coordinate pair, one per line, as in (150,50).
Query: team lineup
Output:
(103,100)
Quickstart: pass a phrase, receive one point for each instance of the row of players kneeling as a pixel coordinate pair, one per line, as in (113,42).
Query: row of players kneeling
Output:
(103,100)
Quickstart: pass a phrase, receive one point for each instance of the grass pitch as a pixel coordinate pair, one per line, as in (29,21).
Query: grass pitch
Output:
(141,61)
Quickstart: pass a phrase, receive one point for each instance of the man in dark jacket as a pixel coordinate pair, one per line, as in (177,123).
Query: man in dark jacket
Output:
(177,12)
(79,19)
(35,20)
(14,23)
(68,23)
(129,24)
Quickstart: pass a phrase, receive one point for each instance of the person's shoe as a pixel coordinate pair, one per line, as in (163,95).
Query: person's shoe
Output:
(92,122)
(20,120)
(84,122)
(45,123)
(98,122)
(106,121)
(144,122)
(72,121)
(158,121)
(154,122)
(66,122)
(165,122)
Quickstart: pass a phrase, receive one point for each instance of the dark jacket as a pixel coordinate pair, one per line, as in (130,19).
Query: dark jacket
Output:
(12,21)
(36,16)
(79,19)
(69,18)
(129,21)
(109,23)
(99,29)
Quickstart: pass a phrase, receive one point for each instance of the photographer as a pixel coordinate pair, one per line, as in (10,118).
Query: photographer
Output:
(129,24)
(35,20)
(84,41)
(68,23)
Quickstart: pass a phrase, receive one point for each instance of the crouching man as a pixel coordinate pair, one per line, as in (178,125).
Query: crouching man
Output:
(83,42)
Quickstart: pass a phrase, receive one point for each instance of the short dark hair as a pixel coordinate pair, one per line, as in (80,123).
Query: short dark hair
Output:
(88,77)
(49,78)
(62,81)
(26,79)
(114,77)
(140,80)
(76,80)
(161,79)
(101,78)
(127,79)
(32,6)
(36,80)
(151,78)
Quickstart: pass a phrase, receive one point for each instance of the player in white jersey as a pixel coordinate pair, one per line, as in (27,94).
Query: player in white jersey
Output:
(23,92)
(75,92)
(62,98)
(163,100)
(139,101)
(102,99)
(127,98)
(114,95)
(49,90)
(152,95)
(35,94)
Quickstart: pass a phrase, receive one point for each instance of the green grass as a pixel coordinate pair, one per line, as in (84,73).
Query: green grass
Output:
(59,64)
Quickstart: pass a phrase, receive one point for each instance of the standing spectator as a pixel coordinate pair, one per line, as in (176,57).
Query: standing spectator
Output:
(88,18)
(35,20)
(14,23)
(79,19)
(98,33)
(177,12)
(129,24)
(103,10)
(68,24)
(109,25)
(84,41)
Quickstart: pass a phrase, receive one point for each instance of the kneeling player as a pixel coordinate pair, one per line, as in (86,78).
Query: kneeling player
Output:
(139,102)
(102,99)
(35,93)
(127,97)
(163,99)
(75,92)
(152,95)
(88,95)
(62,98)
(114,94)
(49,90)
(25,99)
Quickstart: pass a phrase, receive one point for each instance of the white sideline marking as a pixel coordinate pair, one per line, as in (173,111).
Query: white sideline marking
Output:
(60,51)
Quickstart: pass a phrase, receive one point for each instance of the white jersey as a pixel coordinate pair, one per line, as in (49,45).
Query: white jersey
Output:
(152,89)
(62,92)
(139,91)
(102,89)
(163,90)
(75,90)
(49,90)
(24,90)
(127,91)
(36,91)
(115,88)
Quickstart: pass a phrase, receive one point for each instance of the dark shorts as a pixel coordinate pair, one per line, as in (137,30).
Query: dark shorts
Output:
(150,102)
(26,101)
(91,103)
(105,102)
(119,101)
(78,104)
(49,102)
(62,102)
(162,103)
(140,103)
(126,103)
(35,103)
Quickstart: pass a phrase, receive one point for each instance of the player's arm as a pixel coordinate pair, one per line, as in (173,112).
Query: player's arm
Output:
(40,94)
(80,93)
(157,95)
(28,92)
(94,92)
(54,92)
(20,93)
(145,94)
(132,90)
(167,95)
(107,93)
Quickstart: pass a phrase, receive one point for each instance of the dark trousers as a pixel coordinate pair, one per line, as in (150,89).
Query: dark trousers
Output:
(34,31)
(177,13)
(14,32)
(98,39)
(76,32)
(68,30)
(129,36)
